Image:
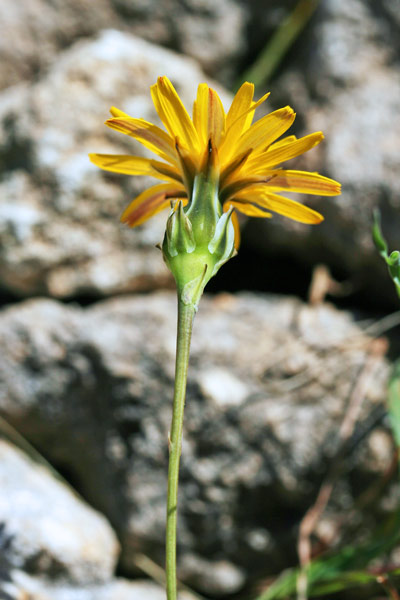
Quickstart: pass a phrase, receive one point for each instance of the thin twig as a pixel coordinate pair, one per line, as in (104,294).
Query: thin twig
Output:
(368,497)
(388,587)
(313,515)
(359,340)
(280,42)
(157,574)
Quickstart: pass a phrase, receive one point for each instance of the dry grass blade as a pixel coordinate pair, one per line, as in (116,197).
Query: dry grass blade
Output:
(311,518)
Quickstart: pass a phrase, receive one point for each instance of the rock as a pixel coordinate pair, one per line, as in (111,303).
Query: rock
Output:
(35,32)
(59,230)
(214,33)
(24,586)
(52,545)
(340,70)
(92,387)
(212,577)
(50,530)
(343,79)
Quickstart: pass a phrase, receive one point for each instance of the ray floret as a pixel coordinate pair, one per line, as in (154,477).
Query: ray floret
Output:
(247,156)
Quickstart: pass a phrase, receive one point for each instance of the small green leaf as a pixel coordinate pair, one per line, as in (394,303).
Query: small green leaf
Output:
(392,261)
(346,569)
(377,236)
(394,402)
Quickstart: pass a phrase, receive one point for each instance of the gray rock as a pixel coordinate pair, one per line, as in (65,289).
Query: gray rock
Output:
(51,531)
(24,586)
(59,231)
(34,32)
(212,577)
(92,389)
(344,80)
(341,77)
(214,33)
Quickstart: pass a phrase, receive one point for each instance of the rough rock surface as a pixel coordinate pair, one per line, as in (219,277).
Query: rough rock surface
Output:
(59,232)
(49,527)
(24,586)
(53,546)
(269,383)
(34,32)
(344,79)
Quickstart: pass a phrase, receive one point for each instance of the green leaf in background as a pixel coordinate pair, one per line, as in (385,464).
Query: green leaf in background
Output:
(394,402)
(346,569)
(393,263)
(349,567)
(392,260)
(379,241)
(265,65)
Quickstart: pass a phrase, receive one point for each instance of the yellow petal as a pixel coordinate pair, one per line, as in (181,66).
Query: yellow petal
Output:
(233,168)
(249,209)
(248,115)
(236,227)
(187,167)
(151,136)
(304,183)
(239,118)
(266,200)
(173,114)
(208,115)
(200,113)
(216,117)
(265,131)
(166,171)
(134,165)
(278,153)
(150,202)
(240,105)
(241,112)
(116,112)
(235,223)
(283,141)
(235,184)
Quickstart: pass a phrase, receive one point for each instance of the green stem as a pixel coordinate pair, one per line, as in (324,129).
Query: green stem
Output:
(186,314)
(261,71)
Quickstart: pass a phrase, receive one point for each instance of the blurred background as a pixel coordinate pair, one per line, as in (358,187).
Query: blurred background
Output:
(288,451)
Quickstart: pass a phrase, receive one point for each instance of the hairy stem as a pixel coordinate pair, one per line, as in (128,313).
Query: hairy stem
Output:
(186,314)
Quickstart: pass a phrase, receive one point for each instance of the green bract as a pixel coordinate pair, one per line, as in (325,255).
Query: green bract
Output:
(198,239)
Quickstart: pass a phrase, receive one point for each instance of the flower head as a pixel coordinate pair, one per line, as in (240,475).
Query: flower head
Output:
(246,155)
(212,165)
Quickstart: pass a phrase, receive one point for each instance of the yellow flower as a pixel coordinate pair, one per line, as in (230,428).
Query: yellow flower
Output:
(245,156)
